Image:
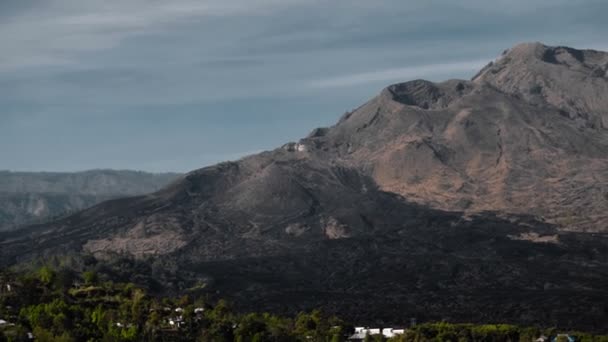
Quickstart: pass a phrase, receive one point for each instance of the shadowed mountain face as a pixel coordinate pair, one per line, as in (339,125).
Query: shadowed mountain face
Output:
(31,197)
(385,215)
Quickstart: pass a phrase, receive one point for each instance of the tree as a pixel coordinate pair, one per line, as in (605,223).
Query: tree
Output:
(279,328)
(152,325)
(46,275)
(138,306)
(90,277)
(183,301)
(403,338)
(129,334)
(99,318)
(257,338)
(63,279)
(380,338)
(221,321)
(529,334)
(251,326)
(305,325)
(43,335)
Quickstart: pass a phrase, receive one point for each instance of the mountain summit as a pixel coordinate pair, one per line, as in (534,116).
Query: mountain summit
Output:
(460,200)
(528,134)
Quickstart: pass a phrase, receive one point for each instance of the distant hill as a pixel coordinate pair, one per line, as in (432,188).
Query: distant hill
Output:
(36,197)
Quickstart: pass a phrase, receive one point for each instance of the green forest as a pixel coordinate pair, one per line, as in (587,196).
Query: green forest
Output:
(57,305)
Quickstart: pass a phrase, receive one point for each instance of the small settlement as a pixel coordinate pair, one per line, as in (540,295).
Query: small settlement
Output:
(362,332)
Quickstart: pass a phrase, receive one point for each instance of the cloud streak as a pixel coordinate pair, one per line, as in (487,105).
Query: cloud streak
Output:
(55,35)
(400,74)
(154,84)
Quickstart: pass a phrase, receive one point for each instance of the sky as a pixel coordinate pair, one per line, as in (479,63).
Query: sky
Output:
(160,85)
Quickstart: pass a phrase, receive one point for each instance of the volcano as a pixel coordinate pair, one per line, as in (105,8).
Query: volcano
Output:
(480,200)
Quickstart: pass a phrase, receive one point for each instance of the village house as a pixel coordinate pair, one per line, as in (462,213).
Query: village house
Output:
(5,287)
(361,332)
(176,322)
(390,332)
(198,312)
(295,147)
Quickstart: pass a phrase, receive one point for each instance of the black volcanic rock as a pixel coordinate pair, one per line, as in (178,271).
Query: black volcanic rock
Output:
(424,202)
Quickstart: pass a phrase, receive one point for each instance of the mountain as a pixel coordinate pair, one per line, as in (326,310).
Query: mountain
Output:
(34,197)
(479,200)
(527,135)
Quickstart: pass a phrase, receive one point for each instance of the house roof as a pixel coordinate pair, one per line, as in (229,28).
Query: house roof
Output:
(357,336)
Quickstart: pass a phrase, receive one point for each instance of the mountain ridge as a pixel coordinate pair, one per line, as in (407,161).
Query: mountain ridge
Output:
(454,138)
(35,197)
(460,200)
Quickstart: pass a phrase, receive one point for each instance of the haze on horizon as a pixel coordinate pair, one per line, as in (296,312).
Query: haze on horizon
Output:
(174,86)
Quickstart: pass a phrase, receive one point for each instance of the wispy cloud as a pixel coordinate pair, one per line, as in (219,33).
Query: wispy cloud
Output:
(400,74)
(81,79)
(54,33)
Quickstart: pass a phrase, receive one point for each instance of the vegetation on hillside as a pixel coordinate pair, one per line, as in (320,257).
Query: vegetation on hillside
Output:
(58,305)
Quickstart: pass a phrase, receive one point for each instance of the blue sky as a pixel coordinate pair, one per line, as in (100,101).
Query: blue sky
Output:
(176,85)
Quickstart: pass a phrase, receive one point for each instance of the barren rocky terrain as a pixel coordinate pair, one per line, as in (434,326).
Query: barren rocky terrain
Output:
(481,200)
(527,135)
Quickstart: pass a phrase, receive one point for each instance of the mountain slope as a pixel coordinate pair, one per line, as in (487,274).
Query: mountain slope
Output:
(30,197)
(527,135)
(363,218)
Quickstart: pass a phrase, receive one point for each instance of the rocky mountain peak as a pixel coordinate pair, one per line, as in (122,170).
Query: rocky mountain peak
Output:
(485,144)
(573,81)
(427,95)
